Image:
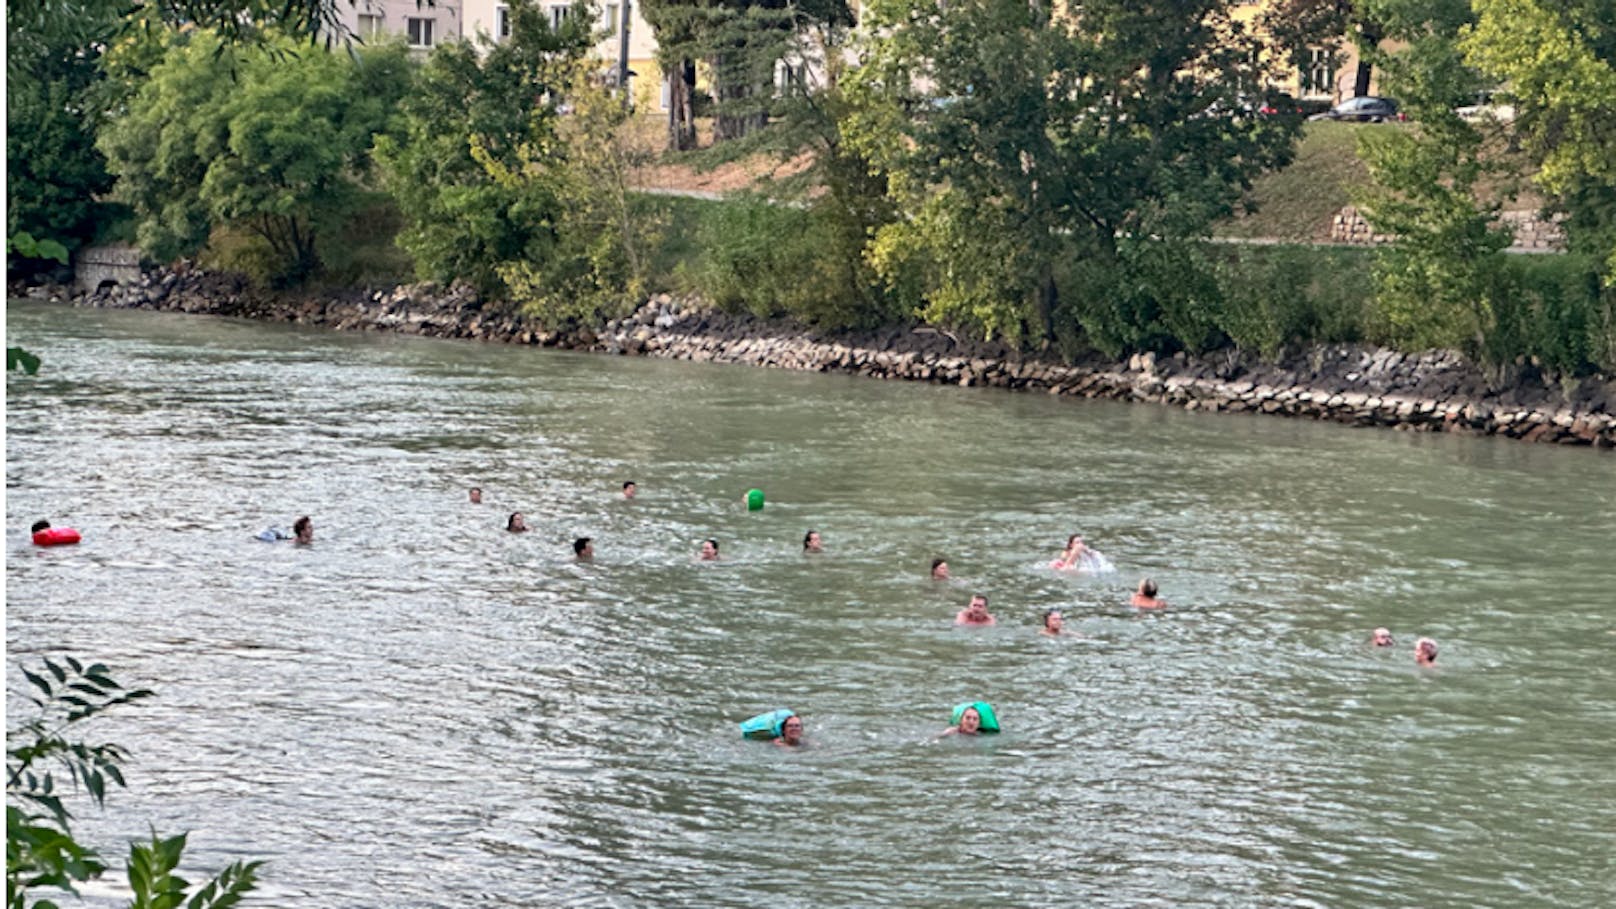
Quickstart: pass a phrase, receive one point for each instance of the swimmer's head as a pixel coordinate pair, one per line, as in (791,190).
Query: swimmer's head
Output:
(1148,588)
(791,730)
(1073,540)
(1382,637)
(939,568)
(582,548)
(629,489)
(476,495)
(970,721)
(1425,650)
(40,525)
(811,542)
(516,523)
(709,550)
(1053,621)
(303,529)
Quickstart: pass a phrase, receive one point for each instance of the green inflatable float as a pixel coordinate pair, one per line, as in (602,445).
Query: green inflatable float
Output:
(754,500)
(765,725)
(990,720)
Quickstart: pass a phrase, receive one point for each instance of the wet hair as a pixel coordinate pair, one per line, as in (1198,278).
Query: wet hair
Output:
(714,542)
(477,489)
(40,525)
(579,544)
(1419,647)
(806,537)
(1048,613)
(628,483)
(936,562)
(299,524)
(1148,588)
(1073,539)
(510,522)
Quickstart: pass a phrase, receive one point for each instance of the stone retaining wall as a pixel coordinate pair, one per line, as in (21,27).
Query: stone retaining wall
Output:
(1532,232)
(1433,391)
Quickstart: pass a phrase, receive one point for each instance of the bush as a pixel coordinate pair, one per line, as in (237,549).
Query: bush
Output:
(1273,297)
(1558,314)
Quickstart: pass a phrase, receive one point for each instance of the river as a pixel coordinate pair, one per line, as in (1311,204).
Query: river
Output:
(422,710)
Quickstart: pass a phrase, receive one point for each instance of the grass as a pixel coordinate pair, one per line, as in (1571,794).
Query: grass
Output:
(1296,204)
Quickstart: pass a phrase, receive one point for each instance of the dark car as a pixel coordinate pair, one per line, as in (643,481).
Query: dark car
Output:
(1363,109)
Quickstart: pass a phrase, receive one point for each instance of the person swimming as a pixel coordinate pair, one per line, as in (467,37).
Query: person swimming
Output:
(939,569)
(476,495)
(583,549)
(630,489)
(1071,557)
(1053,623)
(976,613)
(709,551)
(303,531)
(1381,637)
(791,733)
(516,523)
(811,542)
(1145,596)
(1425,652)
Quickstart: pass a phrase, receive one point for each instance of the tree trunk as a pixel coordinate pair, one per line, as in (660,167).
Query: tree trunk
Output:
(1369,36)
(681,106)
(734,90)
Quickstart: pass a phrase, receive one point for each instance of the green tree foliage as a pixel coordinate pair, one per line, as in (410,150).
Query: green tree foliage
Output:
(272,141)
(1441,283)
(54,174)
(41,852)
(1019,144)
(1558,63)
(469,109)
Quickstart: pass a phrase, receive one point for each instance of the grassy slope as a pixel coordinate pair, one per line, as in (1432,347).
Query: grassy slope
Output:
(1298,202)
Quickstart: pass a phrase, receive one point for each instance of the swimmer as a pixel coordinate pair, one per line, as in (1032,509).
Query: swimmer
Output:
(303,531)
(791,733)
(1425,652)
(709,551)
(1071,555)
(40,525)
(811,542)
(629,489)
(476,495)
(516,523)
(976,613)
(1382,637)
(1145,596)
(1052,623)
(584,549)
(970,723)
(939,569)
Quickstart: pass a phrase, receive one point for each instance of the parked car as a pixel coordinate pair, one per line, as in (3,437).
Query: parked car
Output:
(1363,109)
(1487,108)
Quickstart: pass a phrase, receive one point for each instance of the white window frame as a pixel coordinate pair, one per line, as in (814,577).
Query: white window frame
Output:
(377,26)
(613,13)
(417,28)
(558,14)
(502,23)
(1318,77)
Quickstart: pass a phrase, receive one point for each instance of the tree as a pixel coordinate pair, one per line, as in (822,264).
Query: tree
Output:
(1558,62)
(54,174)
(41,851)
(1016,141)
(272,142)
(473,118)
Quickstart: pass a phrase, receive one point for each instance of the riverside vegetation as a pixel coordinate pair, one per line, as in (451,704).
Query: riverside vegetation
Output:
(1052,188)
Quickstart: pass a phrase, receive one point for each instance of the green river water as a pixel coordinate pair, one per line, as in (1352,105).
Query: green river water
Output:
(421,710)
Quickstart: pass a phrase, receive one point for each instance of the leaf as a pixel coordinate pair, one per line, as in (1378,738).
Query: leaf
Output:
(37,681)
(57,671)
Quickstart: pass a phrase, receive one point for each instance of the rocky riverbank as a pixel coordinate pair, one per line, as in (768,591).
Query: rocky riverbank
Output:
(1429,392)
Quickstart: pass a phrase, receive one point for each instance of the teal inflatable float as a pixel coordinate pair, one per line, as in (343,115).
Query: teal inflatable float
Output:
(754,500)
(765,725)
(990,720)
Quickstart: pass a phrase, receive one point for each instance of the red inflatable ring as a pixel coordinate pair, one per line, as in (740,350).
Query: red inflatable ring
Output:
(56,536)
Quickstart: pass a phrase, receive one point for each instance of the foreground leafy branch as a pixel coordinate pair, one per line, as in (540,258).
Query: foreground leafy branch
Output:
(41,852)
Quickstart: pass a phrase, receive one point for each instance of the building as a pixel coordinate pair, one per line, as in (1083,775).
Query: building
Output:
(492,18)
(423,26)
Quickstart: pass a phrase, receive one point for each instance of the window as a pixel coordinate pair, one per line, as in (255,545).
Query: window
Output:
(558,15)
(1319,76)
(502,22)
(420,31)
(370,27)
(613,13)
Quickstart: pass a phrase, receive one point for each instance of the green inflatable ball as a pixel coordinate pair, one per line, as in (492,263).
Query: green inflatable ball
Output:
(754,500)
